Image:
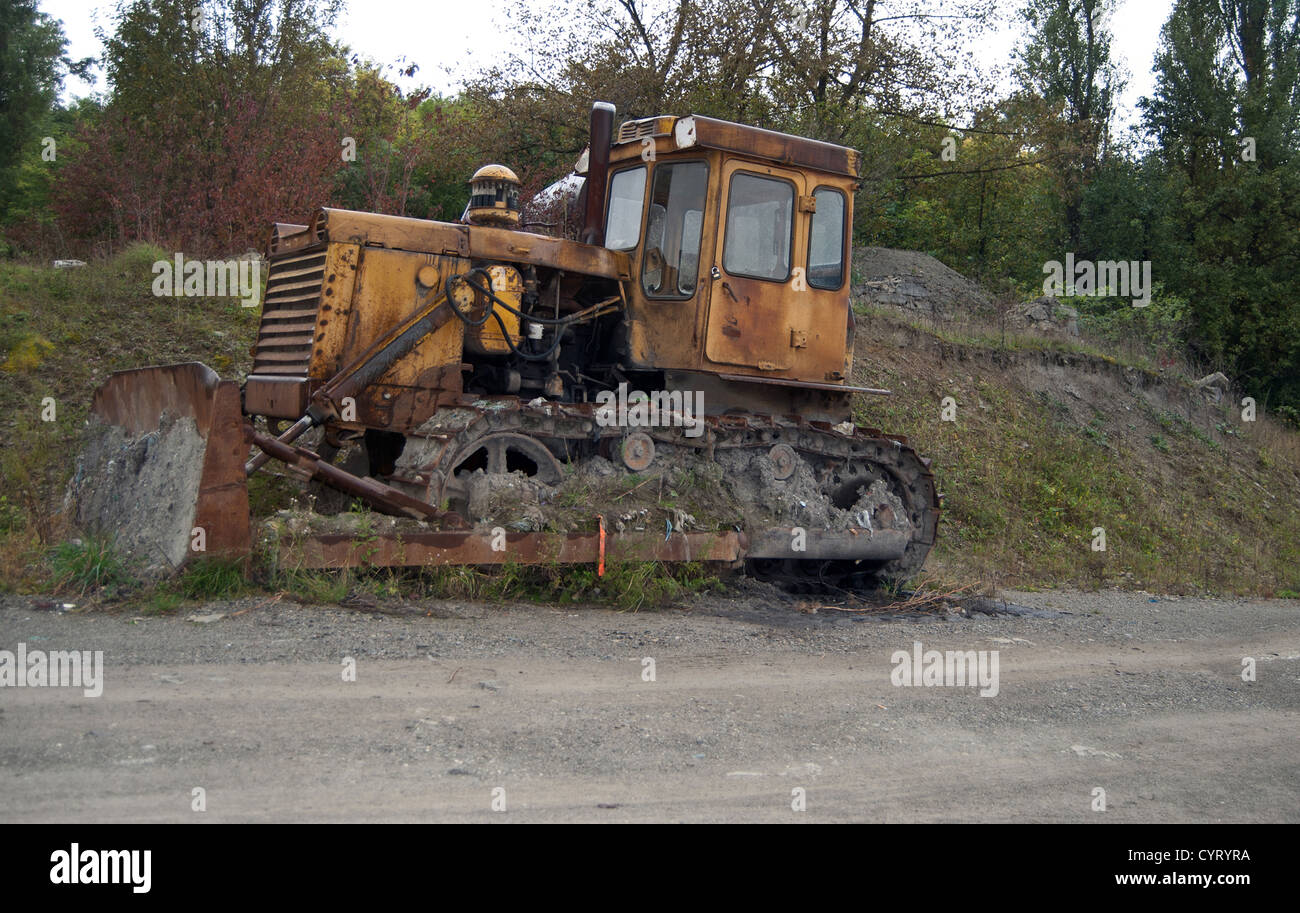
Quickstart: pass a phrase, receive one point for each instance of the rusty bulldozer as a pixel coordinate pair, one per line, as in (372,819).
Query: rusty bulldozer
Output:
(466,362)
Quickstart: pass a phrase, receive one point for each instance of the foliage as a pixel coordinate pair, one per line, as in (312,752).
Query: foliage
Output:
(222,116)
(32,67)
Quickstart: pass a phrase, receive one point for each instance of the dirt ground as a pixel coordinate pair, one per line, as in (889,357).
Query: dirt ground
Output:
(751,701)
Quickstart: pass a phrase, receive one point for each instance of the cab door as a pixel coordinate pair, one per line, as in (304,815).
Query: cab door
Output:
(764,313)
(749,306)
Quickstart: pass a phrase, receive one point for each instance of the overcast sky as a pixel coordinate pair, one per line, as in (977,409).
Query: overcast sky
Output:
(451,40)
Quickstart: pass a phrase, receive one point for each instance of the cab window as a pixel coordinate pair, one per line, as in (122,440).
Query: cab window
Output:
(671,263)
(826,240)
(626,196)
(760,224)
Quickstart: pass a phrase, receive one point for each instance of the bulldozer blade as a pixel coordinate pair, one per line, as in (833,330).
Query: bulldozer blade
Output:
(162,472)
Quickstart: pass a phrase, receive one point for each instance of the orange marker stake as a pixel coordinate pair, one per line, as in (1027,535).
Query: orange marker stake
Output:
(600,568)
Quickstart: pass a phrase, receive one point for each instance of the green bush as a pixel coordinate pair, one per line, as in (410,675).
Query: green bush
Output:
(1163,324)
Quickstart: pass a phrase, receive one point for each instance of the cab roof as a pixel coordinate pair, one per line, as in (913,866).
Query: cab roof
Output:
(695,130)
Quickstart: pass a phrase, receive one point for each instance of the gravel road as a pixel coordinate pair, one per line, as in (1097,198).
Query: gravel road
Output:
(755,708)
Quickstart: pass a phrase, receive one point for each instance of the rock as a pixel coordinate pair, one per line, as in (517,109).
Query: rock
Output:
(1047,314)
(1214,387)
(206,619)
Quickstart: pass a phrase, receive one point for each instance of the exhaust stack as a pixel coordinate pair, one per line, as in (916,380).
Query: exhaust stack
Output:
(602,136)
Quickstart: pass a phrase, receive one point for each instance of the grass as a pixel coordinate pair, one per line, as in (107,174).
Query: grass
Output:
(982,334)
(315,587)
(630,586)
(89,565)
(93,567)
(212,578)
(163,601)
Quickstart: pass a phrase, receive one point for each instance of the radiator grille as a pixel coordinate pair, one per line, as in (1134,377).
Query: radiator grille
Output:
(635,129)
(293,290)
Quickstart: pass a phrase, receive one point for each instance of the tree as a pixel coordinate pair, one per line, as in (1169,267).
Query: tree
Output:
(162,55)
(222,118)
(1263,38)
(830,69)
(1067,62)
(1192,114)
(32,67)
(1224,114)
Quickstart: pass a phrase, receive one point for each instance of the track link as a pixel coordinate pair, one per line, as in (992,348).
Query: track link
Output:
(843,458)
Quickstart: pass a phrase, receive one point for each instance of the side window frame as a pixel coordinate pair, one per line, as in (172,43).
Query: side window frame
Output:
(609,204)
(673,294)
(845,228)
(726,224)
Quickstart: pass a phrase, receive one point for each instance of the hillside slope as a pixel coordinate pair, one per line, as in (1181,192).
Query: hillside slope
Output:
(1049,444)
(1050,441)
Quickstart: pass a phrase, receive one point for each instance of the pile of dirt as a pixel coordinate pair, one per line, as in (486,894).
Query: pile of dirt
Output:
(913,281)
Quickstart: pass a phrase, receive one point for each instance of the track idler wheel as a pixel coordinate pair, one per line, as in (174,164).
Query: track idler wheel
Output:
(498,454)
(637,451)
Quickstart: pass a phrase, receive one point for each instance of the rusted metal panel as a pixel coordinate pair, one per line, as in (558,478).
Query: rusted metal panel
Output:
(749,325)
(423,549)
(696,131)
(750,319)
(486,243)
(136,402)
(277,397)
(396,232)
(826,545)
(478,242)
(805,385)
(786,330)
(781,327)
(668,333)
(439,548)
(771,145)
(335,316)
(386,295)
(405,408)
(222,509)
